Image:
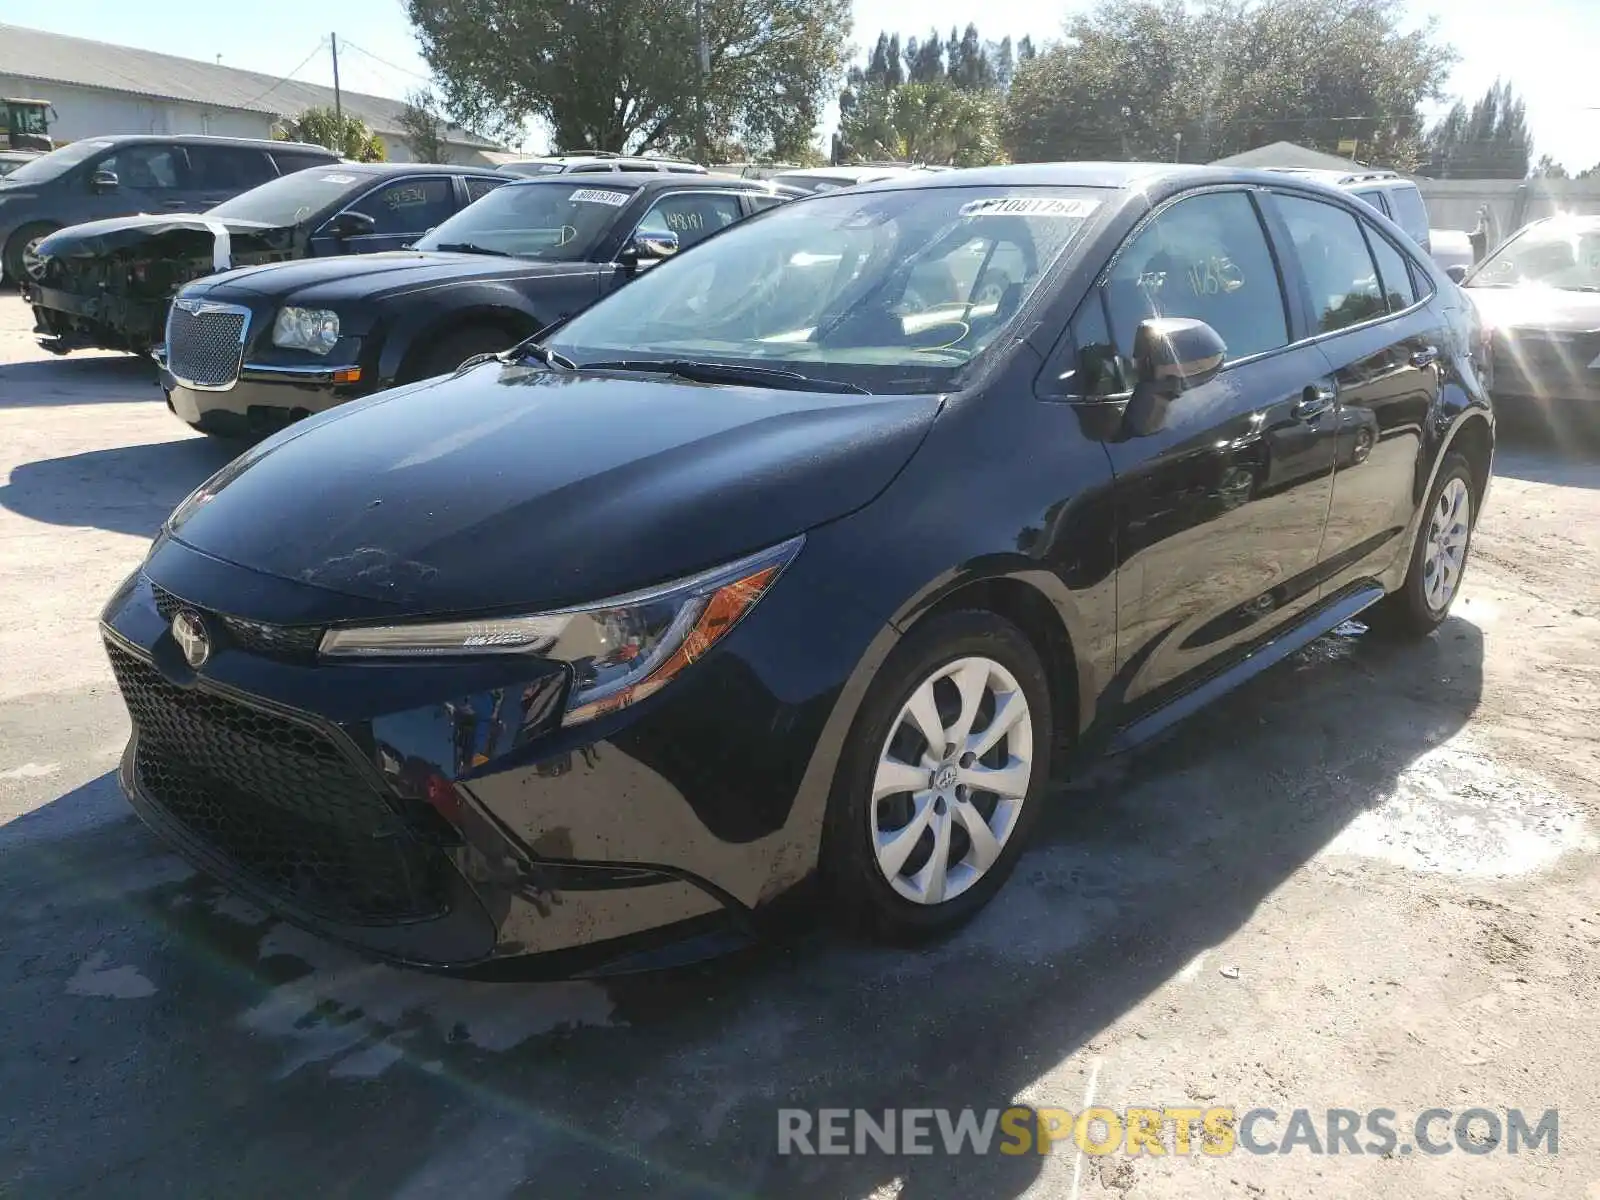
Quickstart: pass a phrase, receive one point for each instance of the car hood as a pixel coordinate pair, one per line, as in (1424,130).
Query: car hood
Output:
(160,237)
(1536,308)
(355,278)
(508,487)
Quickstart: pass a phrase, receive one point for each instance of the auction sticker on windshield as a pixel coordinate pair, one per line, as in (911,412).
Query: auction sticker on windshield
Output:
(1028,206)
(599,196)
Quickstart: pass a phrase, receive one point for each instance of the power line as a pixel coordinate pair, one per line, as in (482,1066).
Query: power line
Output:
(321,44)
(349,45)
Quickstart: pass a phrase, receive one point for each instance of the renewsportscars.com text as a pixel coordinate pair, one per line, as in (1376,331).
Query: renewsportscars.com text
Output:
(1171,1130)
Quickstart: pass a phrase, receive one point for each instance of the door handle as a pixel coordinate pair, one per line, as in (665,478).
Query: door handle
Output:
(1425,357)
(1314,401)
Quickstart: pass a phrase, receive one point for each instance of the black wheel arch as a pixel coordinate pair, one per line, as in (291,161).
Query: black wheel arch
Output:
(413,336)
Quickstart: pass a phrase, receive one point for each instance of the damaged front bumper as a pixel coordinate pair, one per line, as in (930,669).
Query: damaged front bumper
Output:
(66,321)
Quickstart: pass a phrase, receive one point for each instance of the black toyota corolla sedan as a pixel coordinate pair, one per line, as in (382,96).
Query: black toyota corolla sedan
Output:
(807,555)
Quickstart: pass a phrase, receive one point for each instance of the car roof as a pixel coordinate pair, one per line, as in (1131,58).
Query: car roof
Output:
(411,168)
(203,139)
(1119,175)
(644,181)
(574,161)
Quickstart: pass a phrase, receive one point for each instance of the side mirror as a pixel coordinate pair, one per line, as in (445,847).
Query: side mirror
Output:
(1170,356)
(351,224)
(105,181)
(648,248)
(1456,271)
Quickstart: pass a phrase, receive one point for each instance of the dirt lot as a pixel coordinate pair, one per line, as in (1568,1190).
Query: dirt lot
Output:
(1369,880)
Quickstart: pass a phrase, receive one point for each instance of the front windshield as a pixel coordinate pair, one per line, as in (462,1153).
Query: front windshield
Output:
(290,199)
(560,222)
(57,163)
(892,291)
(1562,253)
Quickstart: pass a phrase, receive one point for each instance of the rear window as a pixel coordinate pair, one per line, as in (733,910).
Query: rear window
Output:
(290,161)
(1375,199)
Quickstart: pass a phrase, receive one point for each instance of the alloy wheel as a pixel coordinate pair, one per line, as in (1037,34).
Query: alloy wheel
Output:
(1445,554)
(951,780)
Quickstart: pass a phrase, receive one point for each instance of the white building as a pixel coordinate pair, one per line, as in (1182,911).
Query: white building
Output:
(98,89)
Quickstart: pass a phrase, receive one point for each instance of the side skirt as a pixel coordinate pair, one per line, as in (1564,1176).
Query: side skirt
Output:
(1317,623)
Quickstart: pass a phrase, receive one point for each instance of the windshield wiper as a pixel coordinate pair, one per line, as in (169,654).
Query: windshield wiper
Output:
(542,355)
(712,372)
(470,248)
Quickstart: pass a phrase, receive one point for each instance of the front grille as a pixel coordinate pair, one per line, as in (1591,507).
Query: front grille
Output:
(281,800)
(1538,363)
(205,347)
(287,643)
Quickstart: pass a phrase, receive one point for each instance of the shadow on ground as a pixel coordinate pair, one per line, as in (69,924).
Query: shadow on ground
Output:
(170,1038)
(126,489)
(79,379)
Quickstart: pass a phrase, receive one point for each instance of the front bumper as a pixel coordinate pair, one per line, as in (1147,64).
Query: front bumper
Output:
(265,398)
(70,321)
(455,833)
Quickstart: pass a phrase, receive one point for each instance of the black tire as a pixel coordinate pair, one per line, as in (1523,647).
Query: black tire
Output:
(455,348)
(859,891)
(1408,613)
(12,258)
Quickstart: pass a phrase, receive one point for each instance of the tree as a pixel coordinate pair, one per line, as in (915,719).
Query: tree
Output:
(925,64)
(1227,75)
(924,122)
(623,75)
(1025,50)
(1549,168)
(1488,141)
(323,127)
(1005,65)
(424,128)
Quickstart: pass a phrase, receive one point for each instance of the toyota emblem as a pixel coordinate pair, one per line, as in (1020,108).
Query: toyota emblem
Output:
(189,631)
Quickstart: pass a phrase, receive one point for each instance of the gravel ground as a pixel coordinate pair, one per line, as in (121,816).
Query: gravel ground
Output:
(1368,880)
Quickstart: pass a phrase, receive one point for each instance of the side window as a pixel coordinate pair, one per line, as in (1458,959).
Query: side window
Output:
(1207,258)
(290,161)
(1095,369)
(1410,213)
(227,168)
(693,216)
(408,205)
(1333,256)
(1393,272)
(149,168)
(1375,199)
(761,202)
(479,186)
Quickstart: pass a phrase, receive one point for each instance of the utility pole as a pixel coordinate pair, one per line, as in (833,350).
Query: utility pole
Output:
(338,99)
(703,61)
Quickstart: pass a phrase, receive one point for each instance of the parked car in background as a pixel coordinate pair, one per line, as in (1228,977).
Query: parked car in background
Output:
(108,284)
(825,179)
(1452,250)
(612,641)
(559,164)
(254,349)
(96,178)
(1538,296)
(1390,192)
(10,160)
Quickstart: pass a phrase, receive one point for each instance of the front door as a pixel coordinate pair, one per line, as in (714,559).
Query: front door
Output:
(151,177)
(1358,286)
(1220,511)
(401,211)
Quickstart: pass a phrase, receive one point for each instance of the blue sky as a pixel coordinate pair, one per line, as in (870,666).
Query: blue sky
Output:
(1545,47)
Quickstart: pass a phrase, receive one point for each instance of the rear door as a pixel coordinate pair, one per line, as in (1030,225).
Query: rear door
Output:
(1220,511)
(218,173)
(1381,339)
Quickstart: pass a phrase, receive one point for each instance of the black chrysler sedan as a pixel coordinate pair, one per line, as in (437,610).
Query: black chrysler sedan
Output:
(758,572)
(254,349)
(108,284)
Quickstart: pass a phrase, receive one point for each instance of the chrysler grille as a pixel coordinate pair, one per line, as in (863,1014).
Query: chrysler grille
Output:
(205,347)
